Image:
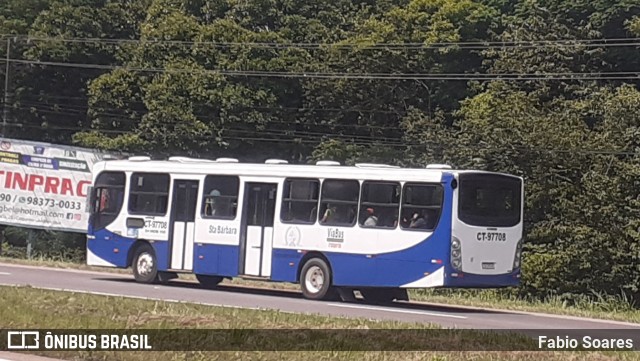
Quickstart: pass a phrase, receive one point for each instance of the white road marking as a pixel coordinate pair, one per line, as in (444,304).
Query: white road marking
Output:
(4,274)
(97,293)
(68,270)
(396,310)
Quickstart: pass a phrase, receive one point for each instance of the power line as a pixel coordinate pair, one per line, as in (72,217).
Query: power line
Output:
(472,45)
(286,132)
(35,100)
(361,76)
(274,132)
(395,144)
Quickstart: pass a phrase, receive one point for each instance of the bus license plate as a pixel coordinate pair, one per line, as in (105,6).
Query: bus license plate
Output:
(487,265)
(491,237)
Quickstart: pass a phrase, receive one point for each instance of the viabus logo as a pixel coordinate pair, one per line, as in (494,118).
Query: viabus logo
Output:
(23,340)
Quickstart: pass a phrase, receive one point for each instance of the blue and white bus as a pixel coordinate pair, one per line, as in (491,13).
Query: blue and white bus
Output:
(373,228)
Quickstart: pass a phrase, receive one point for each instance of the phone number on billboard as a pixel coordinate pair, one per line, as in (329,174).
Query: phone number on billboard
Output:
(42,202)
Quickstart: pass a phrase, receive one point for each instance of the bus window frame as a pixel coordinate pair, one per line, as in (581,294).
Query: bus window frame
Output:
(493,179)
(283,200)
(131,191)
(94,210)
(388,205)
(205,196)
(402,204)
(357,203)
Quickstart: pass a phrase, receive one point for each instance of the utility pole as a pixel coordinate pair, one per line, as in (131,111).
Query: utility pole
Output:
(5,112)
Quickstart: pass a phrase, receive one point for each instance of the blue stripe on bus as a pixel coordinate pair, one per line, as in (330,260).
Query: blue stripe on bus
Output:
(216,259)
(162,254)
(105,245)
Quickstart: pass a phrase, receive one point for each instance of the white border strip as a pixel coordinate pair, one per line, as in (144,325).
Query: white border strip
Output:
(386,309)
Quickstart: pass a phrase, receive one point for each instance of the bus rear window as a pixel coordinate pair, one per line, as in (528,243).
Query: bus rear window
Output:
(489,200)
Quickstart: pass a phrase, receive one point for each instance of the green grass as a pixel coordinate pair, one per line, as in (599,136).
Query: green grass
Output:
(593,307)
(596,306)
(24,307)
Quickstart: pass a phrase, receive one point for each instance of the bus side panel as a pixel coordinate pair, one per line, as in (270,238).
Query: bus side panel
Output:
(397,272)
(396,269)
(392,269)
(205,261)
(413,264)
(216,259)
(162,254)
(284,264)
(353,269)
(108,249)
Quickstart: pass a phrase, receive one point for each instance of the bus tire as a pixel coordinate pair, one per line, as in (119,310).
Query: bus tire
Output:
(145,264)
(207,281)
(315,279)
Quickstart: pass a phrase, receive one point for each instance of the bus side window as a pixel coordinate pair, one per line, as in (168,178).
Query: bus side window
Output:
(300,201)
(421,206)
(339,203)
(220,197)
(379,205)
(149,194)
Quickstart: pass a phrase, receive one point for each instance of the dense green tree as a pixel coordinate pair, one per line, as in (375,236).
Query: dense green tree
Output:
(54,109)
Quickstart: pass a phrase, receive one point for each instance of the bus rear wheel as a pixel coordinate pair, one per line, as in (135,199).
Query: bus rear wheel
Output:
(209,281)
(145,265)
(315,279)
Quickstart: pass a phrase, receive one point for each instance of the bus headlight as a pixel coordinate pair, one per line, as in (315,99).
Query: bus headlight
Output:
(518,256)
(456,253)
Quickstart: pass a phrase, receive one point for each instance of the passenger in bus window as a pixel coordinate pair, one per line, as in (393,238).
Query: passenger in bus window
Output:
(371,220)
(314,214)
(417,221)
(212,205)
(430,218)
(104,200)
(329,214)
(352,211)
(406,221)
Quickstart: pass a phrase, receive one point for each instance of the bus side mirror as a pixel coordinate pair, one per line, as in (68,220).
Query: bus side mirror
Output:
(91,198)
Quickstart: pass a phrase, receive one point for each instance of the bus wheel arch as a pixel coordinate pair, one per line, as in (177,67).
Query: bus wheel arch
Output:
(133,249)
(315,276)
(144,262)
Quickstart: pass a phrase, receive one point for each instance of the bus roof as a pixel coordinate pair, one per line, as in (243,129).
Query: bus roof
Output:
(279,168)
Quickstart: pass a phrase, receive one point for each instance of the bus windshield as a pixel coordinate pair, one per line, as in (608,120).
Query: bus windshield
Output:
(489,200)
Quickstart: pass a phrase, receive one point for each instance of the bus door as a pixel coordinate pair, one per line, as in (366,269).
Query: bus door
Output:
(257,229)
(183,215)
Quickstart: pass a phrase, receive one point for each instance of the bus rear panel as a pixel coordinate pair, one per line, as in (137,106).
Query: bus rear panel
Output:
(487,230)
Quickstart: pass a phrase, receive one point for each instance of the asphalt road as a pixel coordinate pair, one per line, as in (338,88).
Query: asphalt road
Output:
(449,316)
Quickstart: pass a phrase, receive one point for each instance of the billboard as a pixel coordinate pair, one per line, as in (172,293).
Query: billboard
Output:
(45,185)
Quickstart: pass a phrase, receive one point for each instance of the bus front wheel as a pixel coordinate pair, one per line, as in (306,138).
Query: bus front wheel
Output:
(315,279)
(145,265)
